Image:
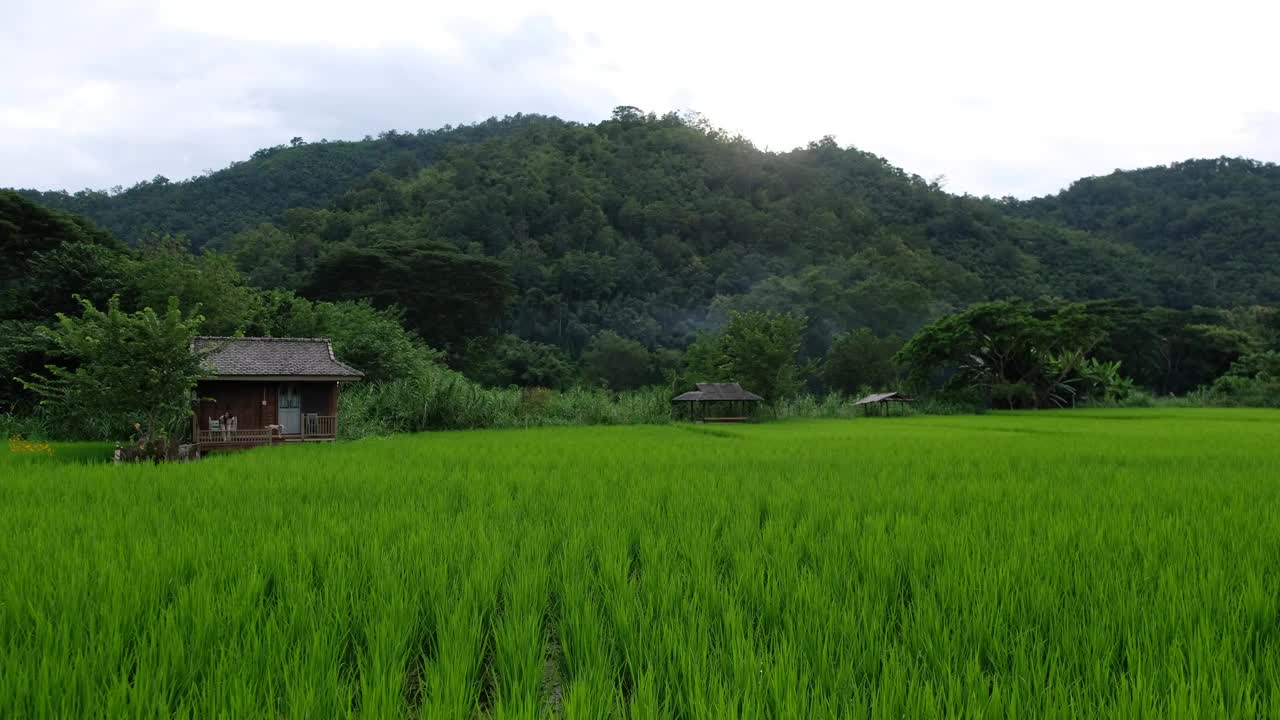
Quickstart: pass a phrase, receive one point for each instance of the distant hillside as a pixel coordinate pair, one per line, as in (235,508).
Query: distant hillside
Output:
(216,206)
(1218,221)
(656,226)
(645,225)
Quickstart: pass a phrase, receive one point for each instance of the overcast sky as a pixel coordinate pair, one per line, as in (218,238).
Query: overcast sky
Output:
(1001,98)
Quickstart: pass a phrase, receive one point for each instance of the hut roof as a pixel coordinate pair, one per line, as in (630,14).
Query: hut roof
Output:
(729,392)
(257,357)
(883,397)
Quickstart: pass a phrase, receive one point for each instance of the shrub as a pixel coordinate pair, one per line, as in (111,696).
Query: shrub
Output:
(441,399)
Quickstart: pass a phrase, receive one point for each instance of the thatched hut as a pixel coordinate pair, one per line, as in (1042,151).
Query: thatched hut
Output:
(880,403)
(717,402)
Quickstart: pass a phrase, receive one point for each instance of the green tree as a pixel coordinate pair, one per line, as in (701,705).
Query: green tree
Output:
(166,268)
(507,360)
(128,368)
(1253,380)
(617,363)
(48,256)
(272,258)
(1016,354)
(371,339)
(447,296)
(760,351)
(859,360)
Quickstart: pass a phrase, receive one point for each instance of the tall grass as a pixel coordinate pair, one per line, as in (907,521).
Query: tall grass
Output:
(440,399)
(448,401)
(1053,565)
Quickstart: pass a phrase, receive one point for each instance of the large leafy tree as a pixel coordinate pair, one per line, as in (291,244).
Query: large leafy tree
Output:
(126,369)
(1016,354)
(446,296)
(45,257)
(371,339)
(166,268)
(1190,349)
(507,360)
(759,350)
(48,256)
(859,361)
(618,363)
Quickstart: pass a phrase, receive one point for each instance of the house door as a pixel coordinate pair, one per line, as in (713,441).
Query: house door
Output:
(290,409)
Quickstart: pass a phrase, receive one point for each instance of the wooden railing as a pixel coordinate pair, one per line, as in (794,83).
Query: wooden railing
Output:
(235,437)
(319,426)
(314,427)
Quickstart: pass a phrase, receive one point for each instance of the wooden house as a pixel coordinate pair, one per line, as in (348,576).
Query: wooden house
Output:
(260,391)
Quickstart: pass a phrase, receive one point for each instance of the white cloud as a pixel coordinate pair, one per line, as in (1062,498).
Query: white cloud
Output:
(1000,97)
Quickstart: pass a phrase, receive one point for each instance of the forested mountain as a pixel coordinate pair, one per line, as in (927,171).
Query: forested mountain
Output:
(656,249)
(644,225)
(218,205)
(1217,221)
(650,228)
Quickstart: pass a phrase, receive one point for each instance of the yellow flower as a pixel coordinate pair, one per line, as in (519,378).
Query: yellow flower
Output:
(18,445)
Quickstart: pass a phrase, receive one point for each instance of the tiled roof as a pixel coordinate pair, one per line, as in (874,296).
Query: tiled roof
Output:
(718,391)
(274,357)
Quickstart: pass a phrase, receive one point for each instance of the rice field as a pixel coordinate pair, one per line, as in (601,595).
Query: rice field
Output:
(1121,563)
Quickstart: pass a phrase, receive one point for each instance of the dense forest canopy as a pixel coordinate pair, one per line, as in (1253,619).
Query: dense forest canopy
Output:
(1217,221)
(533,251)
(300,174)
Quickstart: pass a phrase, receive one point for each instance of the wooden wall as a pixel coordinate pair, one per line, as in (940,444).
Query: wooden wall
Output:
(316,398)
(254,403)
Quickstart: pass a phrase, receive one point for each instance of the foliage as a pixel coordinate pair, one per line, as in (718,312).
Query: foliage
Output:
(1021,356)
(131,370)
(28,426)
(43,244)
(446,296)
(271,258)
(662,571)
(1057,354)
(165,268)
(442,399)
(534,251)
(1252,381)
(506,360)
(212,208)
(1213,224)
(617,363)
(758,350)
(373,341)
(47,257)
(640,224)
(858,360)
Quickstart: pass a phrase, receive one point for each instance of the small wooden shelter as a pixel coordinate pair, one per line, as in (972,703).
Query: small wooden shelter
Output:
(881,403)
(260,391)
(717,402)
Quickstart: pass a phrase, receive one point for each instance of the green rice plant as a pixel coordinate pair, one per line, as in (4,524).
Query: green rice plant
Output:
(1090,563)
(520,656)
